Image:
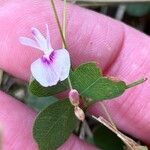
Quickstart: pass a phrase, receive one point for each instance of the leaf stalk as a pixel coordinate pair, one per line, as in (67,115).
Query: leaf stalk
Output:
(136,83)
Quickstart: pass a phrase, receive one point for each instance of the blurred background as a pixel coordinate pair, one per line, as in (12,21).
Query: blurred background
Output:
(133,12)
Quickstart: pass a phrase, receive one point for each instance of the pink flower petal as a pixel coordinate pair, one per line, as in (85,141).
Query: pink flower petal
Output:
(28,42)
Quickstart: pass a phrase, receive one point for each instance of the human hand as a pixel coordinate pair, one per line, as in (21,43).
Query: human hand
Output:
(120,50)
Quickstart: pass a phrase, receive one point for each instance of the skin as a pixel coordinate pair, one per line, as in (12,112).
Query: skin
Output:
(120,50)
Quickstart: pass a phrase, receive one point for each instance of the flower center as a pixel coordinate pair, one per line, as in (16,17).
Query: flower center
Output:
(48,58)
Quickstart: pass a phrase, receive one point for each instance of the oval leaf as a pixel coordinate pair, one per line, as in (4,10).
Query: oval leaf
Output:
(88,81)
(54,125)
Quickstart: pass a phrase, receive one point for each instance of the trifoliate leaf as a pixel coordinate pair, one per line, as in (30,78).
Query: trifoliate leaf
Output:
(54,125)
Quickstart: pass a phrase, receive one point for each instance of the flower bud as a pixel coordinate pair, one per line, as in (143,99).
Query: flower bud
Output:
(79,113)
(74,97)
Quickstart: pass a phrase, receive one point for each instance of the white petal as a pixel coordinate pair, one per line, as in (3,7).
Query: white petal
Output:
(39,38)
(63,55)
(28,42)
(46,74)
(42,42)
(48,40)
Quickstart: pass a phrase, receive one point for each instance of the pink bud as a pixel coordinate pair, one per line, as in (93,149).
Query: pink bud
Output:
(79,113)
(74,97)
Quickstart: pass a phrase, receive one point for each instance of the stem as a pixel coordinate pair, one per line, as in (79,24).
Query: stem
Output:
(111,125)
(64,20)
(62,33)
(136,83)
(127,141)
(1,76)
(87,129)
(119,134)
(69,82)
(58,23)
(77,131)
(108,115)
(82,131)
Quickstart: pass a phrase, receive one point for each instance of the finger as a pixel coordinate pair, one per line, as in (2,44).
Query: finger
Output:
(94,36)
(16,120)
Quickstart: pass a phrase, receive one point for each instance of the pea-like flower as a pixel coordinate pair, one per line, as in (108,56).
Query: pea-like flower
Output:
(54,65)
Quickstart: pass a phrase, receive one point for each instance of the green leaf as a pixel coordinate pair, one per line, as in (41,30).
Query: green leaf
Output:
(54,125)
(39,103)
(106,139)
(88,80)
(40,91)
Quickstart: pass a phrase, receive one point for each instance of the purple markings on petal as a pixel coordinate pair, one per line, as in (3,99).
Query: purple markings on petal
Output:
(51,56)
(33,31)
(45,60)
(48,59)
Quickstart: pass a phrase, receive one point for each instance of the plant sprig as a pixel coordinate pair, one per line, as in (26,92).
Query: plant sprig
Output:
(55,123)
